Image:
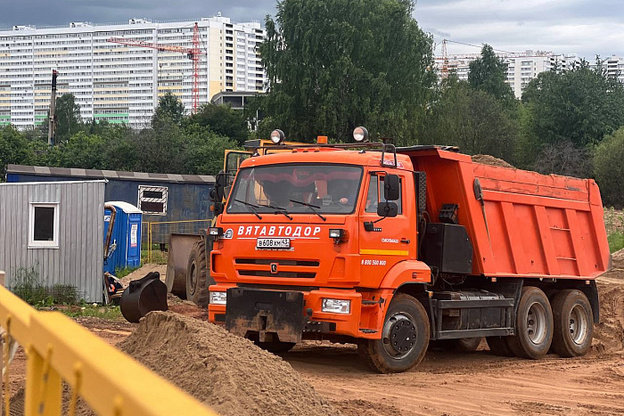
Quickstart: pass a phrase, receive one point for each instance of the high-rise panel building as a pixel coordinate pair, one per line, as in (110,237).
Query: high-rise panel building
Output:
(121,83)
(521,67)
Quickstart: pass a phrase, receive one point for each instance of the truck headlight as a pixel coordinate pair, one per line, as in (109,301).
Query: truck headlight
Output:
(336,306)
(218,298)
(215,232)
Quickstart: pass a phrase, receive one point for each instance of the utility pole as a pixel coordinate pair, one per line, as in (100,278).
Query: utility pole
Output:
(52,116)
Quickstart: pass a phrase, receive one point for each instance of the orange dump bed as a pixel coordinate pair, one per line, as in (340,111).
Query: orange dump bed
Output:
(527,224)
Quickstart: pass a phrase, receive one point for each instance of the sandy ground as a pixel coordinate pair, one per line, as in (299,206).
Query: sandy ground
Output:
(445,383)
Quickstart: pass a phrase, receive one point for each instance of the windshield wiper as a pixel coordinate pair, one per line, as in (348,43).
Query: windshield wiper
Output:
(250,205)
(278,210)
(312,208)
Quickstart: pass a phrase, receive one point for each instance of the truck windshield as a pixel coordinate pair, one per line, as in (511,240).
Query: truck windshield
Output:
(299,189)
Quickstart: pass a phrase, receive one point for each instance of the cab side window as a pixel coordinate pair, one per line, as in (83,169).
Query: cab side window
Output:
(375,194)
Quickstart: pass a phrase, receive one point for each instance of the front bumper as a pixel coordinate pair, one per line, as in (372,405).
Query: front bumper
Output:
(291,314)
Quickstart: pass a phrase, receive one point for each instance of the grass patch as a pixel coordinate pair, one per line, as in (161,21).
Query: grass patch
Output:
(28,286)
(121,273)
(110,313)
(614,224)
(158,257)
(616,241)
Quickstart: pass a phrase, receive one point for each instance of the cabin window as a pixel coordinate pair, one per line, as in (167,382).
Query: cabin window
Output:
(375,194)
(43,225)
(153,199)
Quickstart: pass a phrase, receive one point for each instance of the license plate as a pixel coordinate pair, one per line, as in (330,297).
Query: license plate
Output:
(268,243)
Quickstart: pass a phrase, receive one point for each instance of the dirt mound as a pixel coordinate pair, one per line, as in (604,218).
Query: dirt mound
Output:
(491,160)
(16,403)
(618,259)
(143,271)
(228,373)
(609,333)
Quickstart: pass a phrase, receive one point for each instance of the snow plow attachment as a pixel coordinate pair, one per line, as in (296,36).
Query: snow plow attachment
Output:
(142,296)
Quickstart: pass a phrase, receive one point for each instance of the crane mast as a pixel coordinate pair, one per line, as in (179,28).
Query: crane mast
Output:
(52,116)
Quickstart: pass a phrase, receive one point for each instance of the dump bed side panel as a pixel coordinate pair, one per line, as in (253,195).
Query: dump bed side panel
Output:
(530,225)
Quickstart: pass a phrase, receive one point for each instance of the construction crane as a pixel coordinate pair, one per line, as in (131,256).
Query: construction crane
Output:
(52,116)
(445,62)
(193,53)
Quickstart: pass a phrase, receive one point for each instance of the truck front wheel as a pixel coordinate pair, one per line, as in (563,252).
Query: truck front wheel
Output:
(197,275)
(573,323)
(534,325)
(404,338)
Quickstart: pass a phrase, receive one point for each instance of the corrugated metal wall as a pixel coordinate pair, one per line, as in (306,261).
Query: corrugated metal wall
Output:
(78,261)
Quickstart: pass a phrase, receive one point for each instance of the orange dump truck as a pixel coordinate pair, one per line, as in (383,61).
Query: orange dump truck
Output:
(390,248)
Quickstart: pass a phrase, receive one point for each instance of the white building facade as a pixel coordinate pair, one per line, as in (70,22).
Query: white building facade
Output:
(521,68)
(120,83)
(615,67)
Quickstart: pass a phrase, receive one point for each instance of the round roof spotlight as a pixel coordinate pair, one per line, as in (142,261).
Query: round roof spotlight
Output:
(277,136)
(360,134)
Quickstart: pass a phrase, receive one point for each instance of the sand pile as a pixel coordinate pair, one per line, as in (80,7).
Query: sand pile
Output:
(227,372)
(618,259)
(609,333)
(490,160)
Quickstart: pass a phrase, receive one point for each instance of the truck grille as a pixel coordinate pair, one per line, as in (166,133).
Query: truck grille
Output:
(286,268)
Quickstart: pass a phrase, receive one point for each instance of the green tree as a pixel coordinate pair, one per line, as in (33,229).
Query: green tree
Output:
(13,149)
(335,64)
(489,73)
(204,154)
(171,107)
(68,118)
(121,148)
(161,148)
(582,105)
(609,169)
(222,120)
(82,150)
(472,119)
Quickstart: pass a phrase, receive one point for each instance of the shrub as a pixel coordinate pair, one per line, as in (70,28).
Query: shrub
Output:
(27,286)
(609,169)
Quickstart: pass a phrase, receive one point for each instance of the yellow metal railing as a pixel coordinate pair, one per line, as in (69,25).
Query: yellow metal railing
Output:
(168,227)
(110,382)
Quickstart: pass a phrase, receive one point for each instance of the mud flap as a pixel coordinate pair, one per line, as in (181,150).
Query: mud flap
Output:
(266,313)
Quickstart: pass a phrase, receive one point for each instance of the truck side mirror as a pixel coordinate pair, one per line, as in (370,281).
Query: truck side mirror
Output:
(392,188)
(220,184)
(387,209)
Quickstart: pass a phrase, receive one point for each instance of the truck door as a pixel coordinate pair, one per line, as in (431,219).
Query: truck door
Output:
(385,241)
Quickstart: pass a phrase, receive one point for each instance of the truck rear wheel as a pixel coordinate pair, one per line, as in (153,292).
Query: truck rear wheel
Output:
(197,277)
(498,346)
(404,338)
(461,344)
(573,318)
(534,325)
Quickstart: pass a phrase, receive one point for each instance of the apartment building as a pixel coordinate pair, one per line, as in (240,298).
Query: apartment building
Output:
(521,67)
(121,83)
(615,67)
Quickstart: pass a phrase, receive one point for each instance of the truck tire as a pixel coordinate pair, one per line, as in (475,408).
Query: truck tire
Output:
(276,347)
(534,325)
(460,344)
(197,276)
(498,346)
(404,339)
(574,327)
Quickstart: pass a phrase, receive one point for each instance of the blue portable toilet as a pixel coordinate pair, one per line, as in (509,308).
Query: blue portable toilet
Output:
(125,241)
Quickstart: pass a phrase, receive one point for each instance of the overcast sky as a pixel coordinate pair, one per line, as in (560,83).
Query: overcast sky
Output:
(563,26)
